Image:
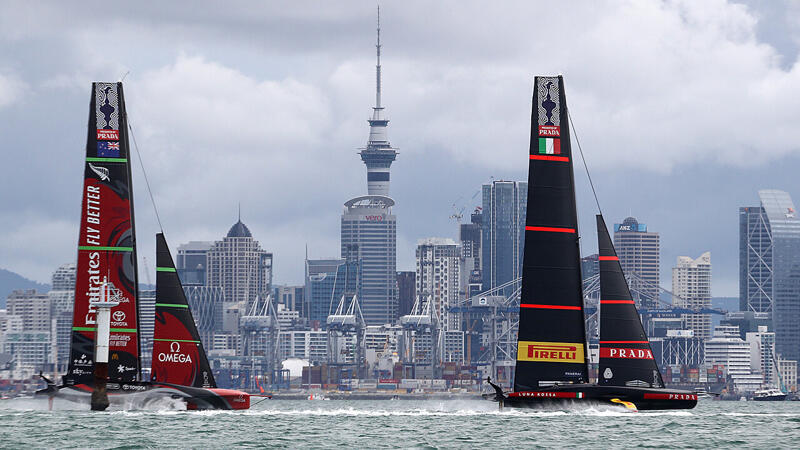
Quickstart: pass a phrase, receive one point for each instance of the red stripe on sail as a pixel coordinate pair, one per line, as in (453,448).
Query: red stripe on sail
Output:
(608,258)
(532,305)
(550,158)
(551,229)
(616,302)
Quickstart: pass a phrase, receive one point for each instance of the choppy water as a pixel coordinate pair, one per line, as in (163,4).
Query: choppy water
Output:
(401,423)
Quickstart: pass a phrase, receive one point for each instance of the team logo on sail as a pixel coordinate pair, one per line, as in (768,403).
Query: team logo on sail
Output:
(550,352)
(101,172)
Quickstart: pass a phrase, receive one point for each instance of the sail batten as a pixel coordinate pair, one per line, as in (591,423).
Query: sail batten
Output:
(106,243)
(551,340)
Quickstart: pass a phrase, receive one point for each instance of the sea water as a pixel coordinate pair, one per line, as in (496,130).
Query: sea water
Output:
(27,423)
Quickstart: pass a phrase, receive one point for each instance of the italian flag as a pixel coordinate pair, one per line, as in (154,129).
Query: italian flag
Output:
(579,395)
(549,146)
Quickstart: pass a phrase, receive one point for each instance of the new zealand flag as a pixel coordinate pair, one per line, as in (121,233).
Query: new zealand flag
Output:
(108,149)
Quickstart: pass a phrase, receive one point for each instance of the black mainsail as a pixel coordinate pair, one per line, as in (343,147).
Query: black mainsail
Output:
(107,242)
(552,338)
(178,354)
(625,355)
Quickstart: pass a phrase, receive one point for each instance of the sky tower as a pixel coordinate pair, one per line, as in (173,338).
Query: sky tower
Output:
(369,229)
(378,155)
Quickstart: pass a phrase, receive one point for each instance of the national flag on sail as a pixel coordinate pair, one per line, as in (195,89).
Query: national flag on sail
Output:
(108,149)
(549,146)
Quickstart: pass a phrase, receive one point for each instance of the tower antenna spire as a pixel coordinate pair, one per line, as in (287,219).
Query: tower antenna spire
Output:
(378,66)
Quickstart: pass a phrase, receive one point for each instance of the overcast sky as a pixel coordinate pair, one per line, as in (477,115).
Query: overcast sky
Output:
(684,110)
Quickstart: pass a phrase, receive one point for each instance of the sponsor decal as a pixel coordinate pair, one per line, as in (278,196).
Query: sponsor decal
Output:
(374,218)
(547,394)
(101,172)
(670,396)
(108,135)
(175,355)
(108,149)
(608,374)
(550,352)
(549,131)
(625,353)
(118,316)
(549,146)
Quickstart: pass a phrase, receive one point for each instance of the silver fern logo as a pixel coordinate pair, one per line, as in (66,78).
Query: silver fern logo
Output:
(101,172)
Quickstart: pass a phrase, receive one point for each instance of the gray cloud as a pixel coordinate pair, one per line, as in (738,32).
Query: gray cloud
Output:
(266,105)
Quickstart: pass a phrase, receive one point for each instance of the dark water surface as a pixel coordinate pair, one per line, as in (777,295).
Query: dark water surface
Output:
(401,423)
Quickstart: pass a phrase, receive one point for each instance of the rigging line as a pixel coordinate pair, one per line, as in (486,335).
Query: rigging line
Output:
(577,141)
(146,181)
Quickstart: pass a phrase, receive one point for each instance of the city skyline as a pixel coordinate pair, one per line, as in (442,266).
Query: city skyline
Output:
(201,162)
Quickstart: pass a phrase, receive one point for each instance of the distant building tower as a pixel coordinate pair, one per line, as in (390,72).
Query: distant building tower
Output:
(691,284)
(769,266)
(638,251)
(590,266)
(33,307)
(368,227)
(762,344)
(191,262)
(327,280)
(437,278)
(469,236)
(406,292)
(505,205)
(239,265)
(62,298)
(378,155)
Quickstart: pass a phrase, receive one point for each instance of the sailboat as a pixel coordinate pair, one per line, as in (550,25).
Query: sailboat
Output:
(552,361)
(107,266)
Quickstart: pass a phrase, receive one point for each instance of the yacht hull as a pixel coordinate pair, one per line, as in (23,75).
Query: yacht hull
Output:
(642,399)
(140,394)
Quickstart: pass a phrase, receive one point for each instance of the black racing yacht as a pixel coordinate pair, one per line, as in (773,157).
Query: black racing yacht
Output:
(552,357)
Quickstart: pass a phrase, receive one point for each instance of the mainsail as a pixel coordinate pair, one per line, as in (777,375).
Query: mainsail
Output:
(625,355)
(552,339)
(106,243)
(178,354)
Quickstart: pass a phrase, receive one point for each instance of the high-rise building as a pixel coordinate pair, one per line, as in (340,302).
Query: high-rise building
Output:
(33,307)
(147,323)
(239,265)
(590,266)
(292,297)
(505,205)
(369,229)
(437,278)
(691,285)
(727,349)
(191,262)
(406,292)
(206,303)
(469,236)
(638,251)
(62,298)
(762,350)
(327,280)
(769,266)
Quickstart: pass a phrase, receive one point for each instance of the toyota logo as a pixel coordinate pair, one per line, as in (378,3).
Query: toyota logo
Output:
(118,316)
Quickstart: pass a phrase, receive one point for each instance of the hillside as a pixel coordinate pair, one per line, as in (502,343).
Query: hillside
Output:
(9,281)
